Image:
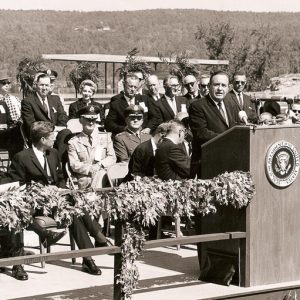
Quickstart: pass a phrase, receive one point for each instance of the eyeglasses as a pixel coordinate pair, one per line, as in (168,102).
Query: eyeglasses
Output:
(190,83)
(132,118)
(90,120)
(240,82)
(204,85)
(174,85)
(5,82)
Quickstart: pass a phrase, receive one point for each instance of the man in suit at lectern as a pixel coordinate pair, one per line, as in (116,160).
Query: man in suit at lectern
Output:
(211,116)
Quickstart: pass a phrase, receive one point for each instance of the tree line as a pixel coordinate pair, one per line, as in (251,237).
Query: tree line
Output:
(263,44)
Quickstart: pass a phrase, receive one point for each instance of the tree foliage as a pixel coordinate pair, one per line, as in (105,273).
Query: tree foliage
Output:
(239,37)
(26,71)
(134,64)
(82,71)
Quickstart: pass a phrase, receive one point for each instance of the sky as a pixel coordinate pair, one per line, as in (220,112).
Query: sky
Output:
(120,5)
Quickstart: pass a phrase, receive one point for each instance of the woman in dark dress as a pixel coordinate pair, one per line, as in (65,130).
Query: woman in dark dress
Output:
(87,89)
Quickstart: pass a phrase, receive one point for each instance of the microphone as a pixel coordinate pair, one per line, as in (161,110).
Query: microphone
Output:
(243,117)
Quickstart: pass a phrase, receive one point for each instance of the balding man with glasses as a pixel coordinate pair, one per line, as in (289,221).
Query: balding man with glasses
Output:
(242,100)
(171,104)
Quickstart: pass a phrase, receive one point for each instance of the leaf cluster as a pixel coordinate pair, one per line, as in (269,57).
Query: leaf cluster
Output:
(134,64)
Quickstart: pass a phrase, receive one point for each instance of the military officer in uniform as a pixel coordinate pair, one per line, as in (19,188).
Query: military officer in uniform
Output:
(126,141)
(90,152)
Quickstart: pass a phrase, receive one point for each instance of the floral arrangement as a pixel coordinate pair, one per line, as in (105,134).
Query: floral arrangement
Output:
(137,204)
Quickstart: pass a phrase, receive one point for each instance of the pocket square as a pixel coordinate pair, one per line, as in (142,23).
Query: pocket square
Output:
(54,110)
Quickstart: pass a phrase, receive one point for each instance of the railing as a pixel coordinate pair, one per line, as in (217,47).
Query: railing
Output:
(29,259)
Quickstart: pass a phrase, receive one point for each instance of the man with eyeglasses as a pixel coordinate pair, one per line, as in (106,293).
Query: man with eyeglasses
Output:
(191,85)
(171,104)
(242,100)
(115,120)
(126,141)
(204,85)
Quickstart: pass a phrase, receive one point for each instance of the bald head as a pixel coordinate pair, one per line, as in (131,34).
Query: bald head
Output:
(153,85)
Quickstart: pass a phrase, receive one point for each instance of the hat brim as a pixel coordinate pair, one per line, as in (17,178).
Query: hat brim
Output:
(91,117)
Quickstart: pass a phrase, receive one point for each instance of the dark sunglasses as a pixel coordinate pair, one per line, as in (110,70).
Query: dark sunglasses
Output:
(240,82)
(191,83)
(5,82)
(135,118)
(90,120)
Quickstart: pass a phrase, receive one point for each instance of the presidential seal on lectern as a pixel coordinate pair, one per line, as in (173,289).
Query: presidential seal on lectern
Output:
(282,163)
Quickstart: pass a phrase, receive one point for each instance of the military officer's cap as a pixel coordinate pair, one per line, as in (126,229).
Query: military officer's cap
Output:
(51,73)
(134,110)
(89,112)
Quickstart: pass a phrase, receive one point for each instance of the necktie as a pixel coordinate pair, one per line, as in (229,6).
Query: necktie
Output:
(174,107)
(45,106)
(45,163)
(47,170)
(240,99)
(222,111)
(90,140)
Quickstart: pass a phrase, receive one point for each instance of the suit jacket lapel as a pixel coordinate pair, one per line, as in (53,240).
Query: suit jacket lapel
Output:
(216,110)
(39,104)
(52,165)
(167,106)
(235,99)
(36,162)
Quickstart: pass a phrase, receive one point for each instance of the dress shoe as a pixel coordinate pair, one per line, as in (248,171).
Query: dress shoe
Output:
(89,266)
(53,237)
(2,269)
(19,273)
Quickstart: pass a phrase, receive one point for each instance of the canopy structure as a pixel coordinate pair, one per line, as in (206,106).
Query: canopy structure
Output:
(118,59)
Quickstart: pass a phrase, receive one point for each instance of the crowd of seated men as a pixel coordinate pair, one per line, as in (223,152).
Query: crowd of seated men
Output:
(157,134)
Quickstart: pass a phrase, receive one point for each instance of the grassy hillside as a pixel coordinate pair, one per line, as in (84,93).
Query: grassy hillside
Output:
(32,33)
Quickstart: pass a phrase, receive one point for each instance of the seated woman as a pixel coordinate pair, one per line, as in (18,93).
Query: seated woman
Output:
(87,89)
(90,152)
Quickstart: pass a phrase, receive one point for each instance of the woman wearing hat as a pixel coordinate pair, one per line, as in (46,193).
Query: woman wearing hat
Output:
(87,89)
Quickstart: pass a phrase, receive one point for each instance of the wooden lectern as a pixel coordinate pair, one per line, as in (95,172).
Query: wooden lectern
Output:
(271,251)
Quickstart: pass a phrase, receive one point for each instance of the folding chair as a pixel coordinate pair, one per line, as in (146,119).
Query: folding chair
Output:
(116,173)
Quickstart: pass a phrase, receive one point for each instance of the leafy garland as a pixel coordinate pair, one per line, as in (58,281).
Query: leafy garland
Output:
(138,203)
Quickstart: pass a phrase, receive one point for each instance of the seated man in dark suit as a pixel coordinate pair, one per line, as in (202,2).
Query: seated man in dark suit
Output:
(142,160)
(40,106)
(171,161)
(170,104)
(153,87)
(115,120)
(41,164)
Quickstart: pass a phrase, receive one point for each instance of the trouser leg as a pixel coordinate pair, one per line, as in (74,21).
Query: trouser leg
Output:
(94,229)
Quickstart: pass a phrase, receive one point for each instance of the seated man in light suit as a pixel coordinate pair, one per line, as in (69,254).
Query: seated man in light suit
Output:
(90,153)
